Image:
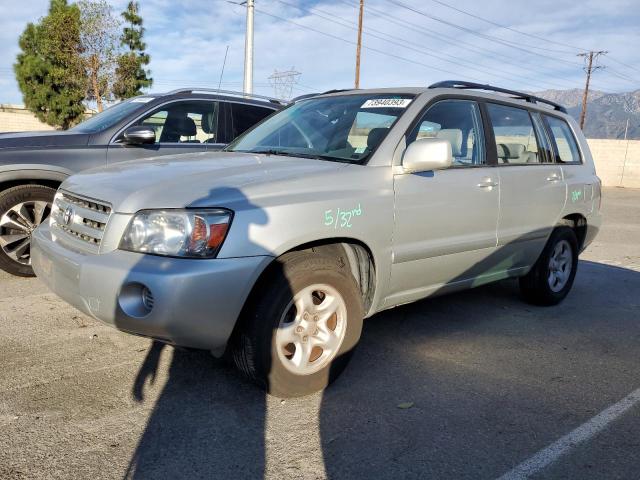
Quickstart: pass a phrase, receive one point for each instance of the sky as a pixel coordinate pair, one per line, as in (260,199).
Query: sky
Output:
(525,44)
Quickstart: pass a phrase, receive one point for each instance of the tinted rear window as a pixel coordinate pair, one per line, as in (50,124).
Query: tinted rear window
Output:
(246,116)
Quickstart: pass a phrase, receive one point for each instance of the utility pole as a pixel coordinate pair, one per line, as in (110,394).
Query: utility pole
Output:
(359,48)
(248,50)
(589,68)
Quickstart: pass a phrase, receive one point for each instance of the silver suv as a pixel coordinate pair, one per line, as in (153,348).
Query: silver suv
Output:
(341,205)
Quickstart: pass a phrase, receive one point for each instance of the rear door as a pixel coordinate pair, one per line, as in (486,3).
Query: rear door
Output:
(581,188)
(533,190)
(183,126)
(445,229)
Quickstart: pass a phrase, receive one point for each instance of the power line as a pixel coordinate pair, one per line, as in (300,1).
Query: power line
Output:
(407,44)
(457,43)
(432,67)
(479,34)
(624,64)
(511,29)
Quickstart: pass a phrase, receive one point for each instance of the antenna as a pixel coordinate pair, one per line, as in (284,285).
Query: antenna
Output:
(224,62)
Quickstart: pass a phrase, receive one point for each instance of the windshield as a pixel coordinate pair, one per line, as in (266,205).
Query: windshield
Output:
(111,115)
(342,128)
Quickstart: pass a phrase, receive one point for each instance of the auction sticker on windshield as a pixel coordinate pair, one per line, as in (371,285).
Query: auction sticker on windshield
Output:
(386,103)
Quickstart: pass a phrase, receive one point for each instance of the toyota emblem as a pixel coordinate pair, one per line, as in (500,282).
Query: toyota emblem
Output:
(67,217)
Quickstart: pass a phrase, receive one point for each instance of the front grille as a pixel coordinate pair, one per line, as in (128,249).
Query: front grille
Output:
(80,218)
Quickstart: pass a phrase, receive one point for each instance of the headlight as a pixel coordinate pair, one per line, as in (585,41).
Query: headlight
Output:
(177,233)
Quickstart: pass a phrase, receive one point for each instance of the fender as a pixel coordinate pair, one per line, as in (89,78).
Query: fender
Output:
(33,172)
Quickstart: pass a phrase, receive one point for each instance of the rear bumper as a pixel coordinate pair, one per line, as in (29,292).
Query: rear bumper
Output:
(594,222)
(196,302)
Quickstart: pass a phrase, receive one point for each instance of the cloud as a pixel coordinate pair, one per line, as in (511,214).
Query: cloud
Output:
(187,42)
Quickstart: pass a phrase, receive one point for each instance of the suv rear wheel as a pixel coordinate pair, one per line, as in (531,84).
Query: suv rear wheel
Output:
(298,335)
(551,278)
(22,209)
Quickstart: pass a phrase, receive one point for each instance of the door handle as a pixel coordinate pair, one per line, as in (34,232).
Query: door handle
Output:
(487,183)
(554,177)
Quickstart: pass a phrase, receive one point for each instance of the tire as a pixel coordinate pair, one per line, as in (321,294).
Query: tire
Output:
(17,224)
(260,349)
(550,279)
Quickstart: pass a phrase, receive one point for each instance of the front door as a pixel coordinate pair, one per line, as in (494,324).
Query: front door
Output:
(186,126)
(446,220)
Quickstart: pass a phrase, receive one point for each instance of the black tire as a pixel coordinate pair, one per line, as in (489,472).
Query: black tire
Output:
(253,348)
(535,286)
(8,199)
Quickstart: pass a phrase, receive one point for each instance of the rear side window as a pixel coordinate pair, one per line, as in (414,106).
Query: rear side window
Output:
(565,144)
(459,122)
(243,117)
(515,135)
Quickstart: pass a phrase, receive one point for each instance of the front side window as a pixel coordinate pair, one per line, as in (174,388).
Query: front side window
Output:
(459,122)
(565,143)
(184,122)
(515,135)
(342,128)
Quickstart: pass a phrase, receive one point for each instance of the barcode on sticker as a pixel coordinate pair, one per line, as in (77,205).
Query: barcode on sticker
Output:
(387,103)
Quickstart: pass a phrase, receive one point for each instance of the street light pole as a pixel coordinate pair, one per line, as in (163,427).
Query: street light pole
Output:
(248,50)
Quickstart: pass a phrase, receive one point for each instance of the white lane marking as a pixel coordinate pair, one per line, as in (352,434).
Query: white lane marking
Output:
(562,446)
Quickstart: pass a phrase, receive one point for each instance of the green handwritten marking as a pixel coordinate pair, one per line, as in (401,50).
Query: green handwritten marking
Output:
(342,218)
(575,195)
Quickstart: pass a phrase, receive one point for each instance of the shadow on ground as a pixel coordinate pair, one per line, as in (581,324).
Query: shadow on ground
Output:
(484,381)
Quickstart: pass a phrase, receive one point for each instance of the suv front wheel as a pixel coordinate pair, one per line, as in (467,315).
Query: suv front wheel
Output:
(299,332)
(22,209)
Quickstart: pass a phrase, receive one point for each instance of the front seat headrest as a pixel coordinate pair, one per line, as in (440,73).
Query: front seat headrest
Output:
(175,128)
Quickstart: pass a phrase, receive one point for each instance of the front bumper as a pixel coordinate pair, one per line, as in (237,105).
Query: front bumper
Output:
(196,302)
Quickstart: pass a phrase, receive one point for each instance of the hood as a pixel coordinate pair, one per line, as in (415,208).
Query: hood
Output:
(193,180)
(42,139)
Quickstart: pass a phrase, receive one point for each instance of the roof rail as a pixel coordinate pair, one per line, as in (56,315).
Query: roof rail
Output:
(478,86)
(226,92)
(317,94)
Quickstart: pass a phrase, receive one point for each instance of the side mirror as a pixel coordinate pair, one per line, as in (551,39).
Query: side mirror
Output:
(427,154)
(139,136)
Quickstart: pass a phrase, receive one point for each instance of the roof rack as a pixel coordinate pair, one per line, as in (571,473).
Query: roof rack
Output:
(310,95)
(226,92)
(478,86)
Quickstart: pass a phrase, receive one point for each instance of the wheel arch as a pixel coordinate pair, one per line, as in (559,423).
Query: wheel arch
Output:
(578,222)
(350,251)
(48,178)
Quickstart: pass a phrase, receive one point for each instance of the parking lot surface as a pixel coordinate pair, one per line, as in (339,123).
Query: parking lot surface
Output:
(472,385)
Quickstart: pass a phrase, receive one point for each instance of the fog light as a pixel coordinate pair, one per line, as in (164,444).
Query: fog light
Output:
(136,300)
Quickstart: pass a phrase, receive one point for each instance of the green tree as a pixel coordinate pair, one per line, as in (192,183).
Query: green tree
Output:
(49,69)
(131,77)
(99,39)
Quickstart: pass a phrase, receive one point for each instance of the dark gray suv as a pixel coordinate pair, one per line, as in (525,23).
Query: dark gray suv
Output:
(33,164)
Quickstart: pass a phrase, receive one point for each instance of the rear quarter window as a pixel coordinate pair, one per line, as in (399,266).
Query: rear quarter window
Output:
(565,145)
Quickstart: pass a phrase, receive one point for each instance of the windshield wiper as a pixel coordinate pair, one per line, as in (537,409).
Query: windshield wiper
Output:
(284,153)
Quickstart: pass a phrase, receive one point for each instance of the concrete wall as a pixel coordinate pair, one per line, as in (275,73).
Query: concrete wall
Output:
(617,161)
(14,118)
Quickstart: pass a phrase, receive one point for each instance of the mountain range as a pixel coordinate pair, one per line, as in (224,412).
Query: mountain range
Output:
(607,113)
